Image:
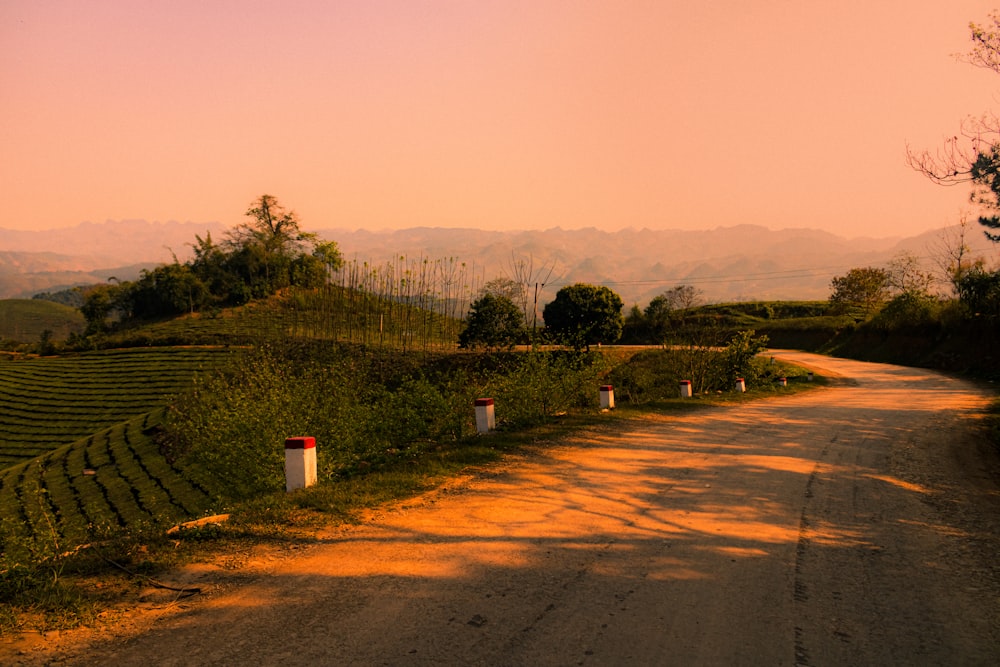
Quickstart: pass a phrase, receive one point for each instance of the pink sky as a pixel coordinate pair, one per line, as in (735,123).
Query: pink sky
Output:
(496,115)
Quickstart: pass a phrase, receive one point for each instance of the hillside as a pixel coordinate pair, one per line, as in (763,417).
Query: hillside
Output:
(738,263)
(24,320)
(51,402)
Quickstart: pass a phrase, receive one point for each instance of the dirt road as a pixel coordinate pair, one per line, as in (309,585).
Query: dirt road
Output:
(855,525)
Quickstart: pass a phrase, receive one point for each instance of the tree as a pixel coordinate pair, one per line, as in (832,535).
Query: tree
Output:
(907,275)
(662,309)
(261,256)
(507,288)
(583,315)
(952,254)
(328,254)
(635,330)
(681,297)
(525,274)
(865,289)
(973,155)
(979,292)
(495,322)
(99,303)
(739,355)
(264,250)
(166,291)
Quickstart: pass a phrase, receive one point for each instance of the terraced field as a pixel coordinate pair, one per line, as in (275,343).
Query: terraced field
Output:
(113,479)
(46,403)
(77,453)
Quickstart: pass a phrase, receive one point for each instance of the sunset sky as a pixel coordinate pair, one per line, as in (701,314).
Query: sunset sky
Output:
(381,114)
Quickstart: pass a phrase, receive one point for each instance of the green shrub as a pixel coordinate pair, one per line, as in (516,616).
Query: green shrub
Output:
(739,355)
(655,375)
(909,310)
(651,375)
(365,412)
(534,386)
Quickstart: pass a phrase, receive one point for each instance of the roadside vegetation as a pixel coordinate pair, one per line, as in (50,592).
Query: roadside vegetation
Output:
(109,448)
(84,523)
(158,415)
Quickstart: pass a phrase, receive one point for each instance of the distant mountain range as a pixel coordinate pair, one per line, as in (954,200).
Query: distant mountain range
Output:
(737,263)
(89,253)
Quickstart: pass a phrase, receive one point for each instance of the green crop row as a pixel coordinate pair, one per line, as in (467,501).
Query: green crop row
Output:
(113,479)
(49,402)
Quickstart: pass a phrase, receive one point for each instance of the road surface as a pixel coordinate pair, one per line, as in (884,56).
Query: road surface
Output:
(852,525)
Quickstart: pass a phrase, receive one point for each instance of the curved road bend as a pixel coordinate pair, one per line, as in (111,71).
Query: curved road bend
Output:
(853,525)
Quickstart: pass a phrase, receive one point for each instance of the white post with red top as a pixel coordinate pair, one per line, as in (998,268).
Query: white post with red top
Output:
(485,416)
(685,388)
(300,462)
(607,397)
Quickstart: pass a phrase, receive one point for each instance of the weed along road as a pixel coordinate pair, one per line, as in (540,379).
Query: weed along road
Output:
(852,525)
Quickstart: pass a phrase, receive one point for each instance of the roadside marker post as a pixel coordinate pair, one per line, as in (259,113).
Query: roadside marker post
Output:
(485,415)
(300,462)
(685,388)
(783,382)
(607,397)
(741,385)
(809,377)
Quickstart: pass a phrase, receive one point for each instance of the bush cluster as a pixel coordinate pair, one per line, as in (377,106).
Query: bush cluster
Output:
(364,411)
(654,375)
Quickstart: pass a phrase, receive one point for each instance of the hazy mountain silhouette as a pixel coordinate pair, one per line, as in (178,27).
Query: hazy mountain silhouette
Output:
(32,262)
(743,262)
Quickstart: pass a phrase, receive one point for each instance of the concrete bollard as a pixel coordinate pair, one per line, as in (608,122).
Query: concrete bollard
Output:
(485,416)
(741,385)
(300,462)
(809,377)
(607,397)
(685,388)
(783,382)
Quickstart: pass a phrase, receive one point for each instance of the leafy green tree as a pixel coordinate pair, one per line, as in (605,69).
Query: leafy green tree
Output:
(908,310)
(864,289)
(635,330)
(211,264)
(494,322)
(261,256)
(46,345)
(979,292)
(166,291)
(328,254)
(583,315)
(739,355)
(272,234)
(100,303)
(661,313)
(270,251)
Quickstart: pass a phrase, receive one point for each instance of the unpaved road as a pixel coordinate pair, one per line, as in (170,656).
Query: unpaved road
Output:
(855,525)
